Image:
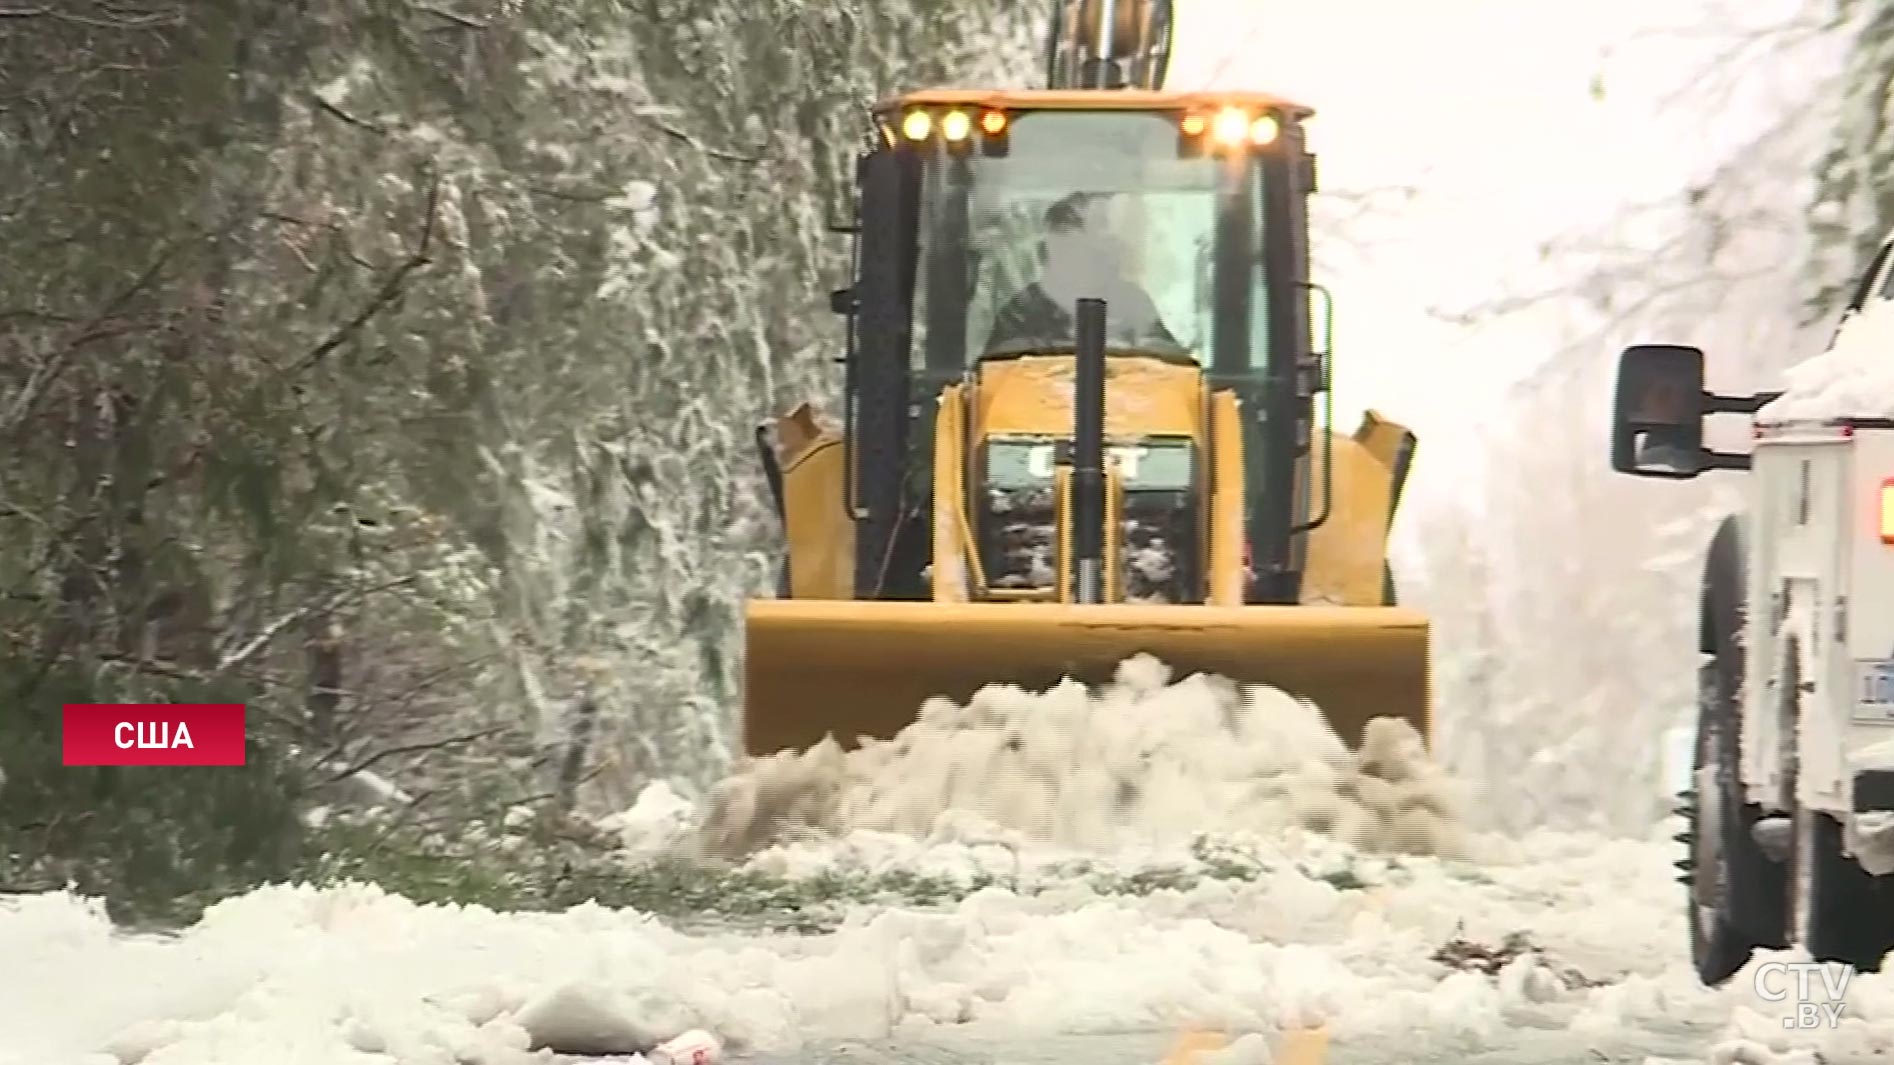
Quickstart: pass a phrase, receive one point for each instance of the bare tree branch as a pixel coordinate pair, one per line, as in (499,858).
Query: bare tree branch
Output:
(452,16)
(336,112)
(413,748)
(430,679)
(570,197)
(655,115)
(110,21)
(275,628)
(100,327)
(390,288)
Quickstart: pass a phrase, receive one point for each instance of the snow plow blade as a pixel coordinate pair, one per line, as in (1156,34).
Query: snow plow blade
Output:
(851,669)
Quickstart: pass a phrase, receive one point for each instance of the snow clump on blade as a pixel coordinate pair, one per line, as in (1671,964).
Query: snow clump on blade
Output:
(1144,760)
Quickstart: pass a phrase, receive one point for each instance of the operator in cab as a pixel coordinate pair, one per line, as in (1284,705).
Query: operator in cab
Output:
(1082,258)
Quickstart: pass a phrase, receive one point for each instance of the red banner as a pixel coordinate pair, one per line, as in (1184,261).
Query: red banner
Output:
(154,734)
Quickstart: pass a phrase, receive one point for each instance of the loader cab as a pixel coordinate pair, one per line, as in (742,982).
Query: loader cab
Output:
(1170,202)
(1200,203)
(1082,203)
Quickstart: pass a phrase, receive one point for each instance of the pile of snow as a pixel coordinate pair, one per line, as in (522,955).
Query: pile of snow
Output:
(656,821)
(1853,378)
(354,975)
(1767,1029)
(1143,759)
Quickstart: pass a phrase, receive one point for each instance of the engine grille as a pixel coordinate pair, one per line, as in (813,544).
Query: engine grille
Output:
(1022,550)
(1157,531)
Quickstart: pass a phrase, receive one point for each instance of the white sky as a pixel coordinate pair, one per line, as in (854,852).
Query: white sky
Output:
(1486,108)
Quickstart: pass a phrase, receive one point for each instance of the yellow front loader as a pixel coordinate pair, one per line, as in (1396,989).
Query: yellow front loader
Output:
(1086,415)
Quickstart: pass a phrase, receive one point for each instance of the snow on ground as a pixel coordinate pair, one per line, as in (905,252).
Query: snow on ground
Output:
(1853,378)
(1308,930)
(297,975)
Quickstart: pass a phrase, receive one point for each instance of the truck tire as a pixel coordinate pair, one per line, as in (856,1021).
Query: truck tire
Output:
(1735,892)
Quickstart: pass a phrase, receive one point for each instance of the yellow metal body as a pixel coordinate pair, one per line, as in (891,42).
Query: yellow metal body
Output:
(819,668)
(820,532)
(1161,100)
(818,665)
(821,663)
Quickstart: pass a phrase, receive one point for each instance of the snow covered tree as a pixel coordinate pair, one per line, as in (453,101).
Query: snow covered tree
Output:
(1854,200)
(385,366)
(1592,576)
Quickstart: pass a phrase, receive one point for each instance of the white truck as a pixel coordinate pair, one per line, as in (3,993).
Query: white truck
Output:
(1790,812)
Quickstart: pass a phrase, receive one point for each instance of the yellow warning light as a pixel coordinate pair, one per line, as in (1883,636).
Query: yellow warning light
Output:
(1232,126)
(993,122)
(1264,130)
(1194,125)
(955,125)
(917,125)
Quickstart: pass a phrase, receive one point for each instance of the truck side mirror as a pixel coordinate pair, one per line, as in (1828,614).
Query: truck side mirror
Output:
(1657,413)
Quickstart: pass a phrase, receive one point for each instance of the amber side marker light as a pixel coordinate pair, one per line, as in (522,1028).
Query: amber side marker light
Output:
(1887,511)
(993,122)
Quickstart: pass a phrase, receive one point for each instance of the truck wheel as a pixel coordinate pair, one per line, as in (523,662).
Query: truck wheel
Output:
(1735,903)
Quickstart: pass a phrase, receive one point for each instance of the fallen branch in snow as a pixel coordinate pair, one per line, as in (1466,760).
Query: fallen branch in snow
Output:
(1468,955)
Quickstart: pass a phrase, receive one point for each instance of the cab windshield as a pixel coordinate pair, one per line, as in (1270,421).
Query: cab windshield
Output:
(1097,204)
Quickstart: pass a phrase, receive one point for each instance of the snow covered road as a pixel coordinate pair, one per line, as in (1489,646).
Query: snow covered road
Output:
(1519,1046)
(1067,964)
(1313,935)
(1321,888)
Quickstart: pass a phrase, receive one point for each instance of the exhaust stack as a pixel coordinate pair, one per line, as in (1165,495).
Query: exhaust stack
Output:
(1088,452)
(1108,44)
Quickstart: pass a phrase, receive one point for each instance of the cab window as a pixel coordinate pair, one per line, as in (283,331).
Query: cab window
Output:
(1083,204)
